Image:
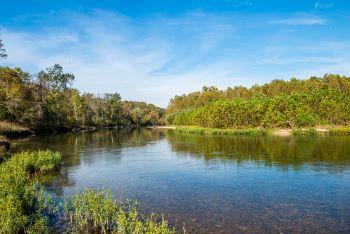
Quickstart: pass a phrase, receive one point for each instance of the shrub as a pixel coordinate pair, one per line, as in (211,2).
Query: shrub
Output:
(22,204)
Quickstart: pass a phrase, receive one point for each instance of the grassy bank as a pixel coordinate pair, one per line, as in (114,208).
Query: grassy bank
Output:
(12,130)
(324,131)
(217,131)
(25,207)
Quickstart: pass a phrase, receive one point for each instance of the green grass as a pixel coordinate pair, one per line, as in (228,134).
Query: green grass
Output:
(339,131)
(12,130)
(217,131)
(305,132)
(22,204)
(330,131)
(25,207)
(97,212)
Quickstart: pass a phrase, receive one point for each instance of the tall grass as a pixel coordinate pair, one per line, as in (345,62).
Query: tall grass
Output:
(305,132)
(339,131)
(217,131)
(330,131)
(13,130)
(97,212)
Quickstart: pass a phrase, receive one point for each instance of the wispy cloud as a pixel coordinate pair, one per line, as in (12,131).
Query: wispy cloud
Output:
(319,5)
(158,57)
(306,21)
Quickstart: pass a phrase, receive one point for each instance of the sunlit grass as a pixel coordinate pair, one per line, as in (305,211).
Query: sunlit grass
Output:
(217,131)
(9,129)
(97,212)
(21,198)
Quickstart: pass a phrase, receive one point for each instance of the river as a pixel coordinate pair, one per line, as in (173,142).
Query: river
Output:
(211,184)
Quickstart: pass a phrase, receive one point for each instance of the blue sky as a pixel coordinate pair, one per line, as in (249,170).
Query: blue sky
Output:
(151,50)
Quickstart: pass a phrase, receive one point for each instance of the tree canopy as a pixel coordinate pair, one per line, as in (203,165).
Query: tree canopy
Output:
(46,100)
(314,101)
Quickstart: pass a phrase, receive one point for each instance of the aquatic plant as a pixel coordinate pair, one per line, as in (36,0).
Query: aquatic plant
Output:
(98,212)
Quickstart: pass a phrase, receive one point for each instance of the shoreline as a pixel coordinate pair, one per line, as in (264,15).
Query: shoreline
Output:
(283,132)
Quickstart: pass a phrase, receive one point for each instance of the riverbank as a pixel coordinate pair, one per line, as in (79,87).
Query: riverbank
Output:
(27,208)
(320,130)
(12,130)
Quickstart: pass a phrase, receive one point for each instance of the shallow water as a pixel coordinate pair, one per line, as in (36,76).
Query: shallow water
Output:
(212,184)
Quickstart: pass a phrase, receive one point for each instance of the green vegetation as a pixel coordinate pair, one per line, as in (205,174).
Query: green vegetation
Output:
(9,130)
(100,213)
(22,204)
(292,104)
(216,131)
(45,101)
(339,131)
(26,208)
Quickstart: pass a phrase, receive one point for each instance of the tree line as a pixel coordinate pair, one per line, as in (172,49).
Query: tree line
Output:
(294,103)
(46,100)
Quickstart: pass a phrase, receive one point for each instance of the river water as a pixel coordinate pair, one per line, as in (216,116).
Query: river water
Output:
(211,184)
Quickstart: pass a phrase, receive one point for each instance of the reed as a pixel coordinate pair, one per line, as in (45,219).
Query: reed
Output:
(97,212)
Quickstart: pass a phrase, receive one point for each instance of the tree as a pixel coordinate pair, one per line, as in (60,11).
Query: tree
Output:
(55,78)
(2,50)
(113,106)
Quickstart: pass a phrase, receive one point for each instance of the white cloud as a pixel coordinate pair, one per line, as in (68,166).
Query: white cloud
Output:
(306,21)
(158,57)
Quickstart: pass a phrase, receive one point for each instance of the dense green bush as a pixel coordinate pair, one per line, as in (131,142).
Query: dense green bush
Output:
(22,203)
(320,106)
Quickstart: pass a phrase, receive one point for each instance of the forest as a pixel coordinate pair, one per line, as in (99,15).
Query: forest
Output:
(47,101)
(278,104)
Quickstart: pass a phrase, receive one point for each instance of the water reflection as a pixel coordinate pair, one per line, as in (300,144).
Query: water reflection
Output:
(214,184)
(285,152)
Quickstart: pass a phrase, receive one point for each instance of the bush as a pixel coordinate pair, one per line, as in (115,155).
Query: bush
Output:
(22,204)
(296,109)
(305,119)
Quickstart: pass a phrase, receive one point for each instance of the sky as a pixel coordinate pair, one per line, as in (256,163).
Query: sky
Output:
(152,50)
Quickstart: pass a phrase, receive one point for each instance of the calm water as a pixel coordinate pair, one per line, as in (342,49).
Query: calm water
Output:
(213,184)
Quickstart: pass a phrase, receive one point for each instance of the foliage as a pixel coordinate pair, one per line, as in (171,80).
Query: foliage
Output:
(216,131)
(22,201)
(98,212)
(46,101)
(305,132)
(294,103)
(339,131)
